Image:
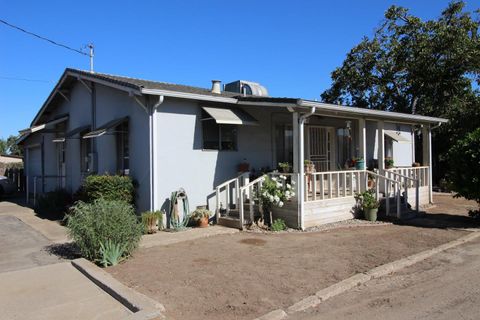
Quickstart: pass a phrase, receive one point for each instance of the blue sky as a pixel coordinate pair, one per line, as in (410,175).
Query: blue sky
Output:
(291,47)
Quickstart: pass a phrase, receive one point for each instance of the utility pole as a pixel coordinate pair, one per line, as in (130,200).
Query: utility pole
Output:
(90,46)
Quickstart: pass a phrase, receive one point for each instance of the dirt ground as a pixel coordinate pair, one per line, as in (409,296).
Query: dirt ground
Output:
(245,275)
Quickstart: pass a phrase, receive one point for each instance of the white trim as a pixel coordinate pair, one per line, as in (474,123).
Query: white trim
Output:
(363,111)
(184,95)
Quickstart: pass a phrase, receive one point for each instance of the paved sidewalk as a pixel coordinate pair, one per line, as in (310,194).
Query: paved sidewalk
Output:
(57,291)
(165,238)
(52,230)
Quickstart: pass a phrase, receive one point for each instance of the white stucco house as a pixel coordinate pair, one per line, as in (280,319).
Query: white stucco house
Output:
(167,136)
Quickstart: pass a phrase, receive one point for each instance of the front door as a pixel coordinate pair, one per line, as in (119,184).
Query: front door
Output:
(318,147)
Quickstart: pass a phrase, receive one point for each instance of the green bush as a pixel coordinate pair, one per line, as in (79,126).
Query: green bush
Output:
(108,187)
(54,204)
(464,167)
(93,224)
(279,225)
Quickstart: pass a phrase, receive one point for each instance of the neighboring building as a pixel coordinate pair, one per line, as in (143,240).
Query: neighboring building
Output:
(168,136)
(7,161)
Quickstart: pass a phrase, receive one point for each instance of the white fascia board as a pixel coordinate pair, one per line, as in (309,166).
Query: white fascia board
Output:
(185,95)
(386,115)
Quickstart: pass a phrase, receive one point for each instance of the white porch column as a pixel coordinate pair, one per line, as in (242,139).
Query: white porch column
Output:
(298,168)
(427,156)
(362,140)
(381,146)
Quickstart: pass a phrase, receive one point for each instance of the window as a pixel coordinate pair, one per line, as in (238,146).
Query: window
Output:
(85,149)
(219,136)
(123,150)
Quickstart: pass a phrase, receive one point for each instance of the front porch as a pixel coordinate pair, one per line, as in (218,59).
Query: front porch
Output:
(321,149)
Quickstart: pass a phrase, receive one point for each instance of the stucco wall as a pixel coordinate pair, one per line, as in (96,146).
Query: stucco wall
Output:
(110,104)
(402,152)
(183,163)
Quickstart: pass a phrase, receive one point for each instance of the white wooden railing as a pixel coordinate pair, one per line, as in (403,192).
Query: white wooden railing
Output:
(334,184)
(406,182)
(340,184)
(414,173)
(223,193)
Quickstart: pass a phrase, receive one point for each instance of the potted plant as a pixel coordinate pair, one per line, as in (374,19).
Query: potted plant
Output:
(201,216)
(416,164)
(371,181)
(309,166)
(284,167)
(244,166)
(359,163)
(152,221)
(369,204)
(389,163)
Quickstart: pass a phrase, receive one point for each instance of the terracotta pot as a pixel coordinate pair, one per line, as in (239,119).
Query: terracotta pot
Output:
(203,223)
(244,167)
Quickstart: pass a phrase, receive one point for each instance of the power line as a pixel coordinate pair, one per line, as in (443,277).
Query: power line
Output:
(43,38)
(25,79)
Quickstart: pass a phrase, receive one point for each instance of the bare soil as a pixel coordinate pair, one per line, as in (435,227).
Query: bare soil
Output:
(244,275)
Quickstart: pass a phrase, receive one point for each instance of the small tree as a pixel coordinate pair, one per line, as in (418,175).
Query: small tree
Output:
(464,167)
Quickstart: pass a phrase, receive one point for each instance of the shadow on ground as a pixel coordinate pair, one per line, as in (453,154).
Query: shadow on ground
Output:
(68,251)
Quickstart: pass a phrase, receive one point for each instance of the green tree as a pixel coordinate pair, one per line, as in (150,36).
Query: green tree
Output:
(9,146)
(3,146)
(464,170)
(413,66)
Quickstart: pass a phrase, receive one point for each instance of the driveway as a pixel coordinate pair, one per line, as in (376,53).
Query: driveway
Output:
(22,247)
(38,285)
(445,286)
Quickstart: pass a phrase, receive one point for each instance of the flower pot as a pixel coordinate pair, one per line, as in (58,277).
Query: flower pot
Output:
(203,223)
(371,214)
(244,167)
(360,164)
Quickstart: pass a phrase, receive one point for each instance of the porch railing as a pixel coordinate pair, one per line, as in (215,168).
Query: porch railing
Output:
(413,173)
(341,184)
(407,182)
(227,193)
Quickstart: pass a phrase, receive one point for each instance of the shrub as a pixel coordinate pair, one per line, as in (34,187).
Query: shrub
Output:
(54,204)
(367,199)
(279,225)
(108,187)
(464,163)
(93,224)
(149,221)
(111,253)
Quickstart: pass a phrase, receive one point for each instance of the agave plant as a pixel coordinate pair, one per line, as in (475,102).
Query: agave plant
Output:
(111,253)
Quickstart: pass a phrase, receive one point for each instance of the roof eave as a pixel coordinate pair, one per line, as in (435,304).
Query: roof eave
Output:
(186,95)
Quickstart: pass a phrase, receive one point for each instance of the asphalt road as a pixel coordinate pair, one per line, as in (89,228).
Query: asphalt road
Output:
(446,286)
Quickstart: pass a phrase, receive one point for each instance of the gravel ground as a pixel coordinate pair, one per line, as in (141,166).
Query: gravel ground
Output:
(244,275)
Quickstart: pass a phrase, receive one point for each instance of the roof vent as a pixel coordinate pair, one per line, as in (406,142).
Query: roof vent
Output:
(247,88)
(216,86)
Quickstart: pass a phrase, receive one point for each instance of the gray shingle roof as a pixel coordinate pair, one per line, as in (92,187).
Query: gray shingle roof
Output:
(149,84)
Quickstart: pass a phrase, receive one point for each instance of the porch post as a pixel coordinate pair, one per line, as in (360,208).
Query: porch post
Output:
(298,164)
(362,140)
(381,146)
(427,156)
(381,152)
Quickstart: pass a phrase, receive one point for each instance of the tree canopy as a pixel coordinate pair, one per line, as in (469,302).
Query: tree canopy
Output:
(9,146)
(412,66)
(420,67)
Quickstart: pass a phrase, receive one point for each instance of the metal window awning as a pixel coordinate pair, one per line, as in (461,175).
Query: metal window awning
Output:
(395,135)
(46,125)
(71,133)
(230,116)
(103,129)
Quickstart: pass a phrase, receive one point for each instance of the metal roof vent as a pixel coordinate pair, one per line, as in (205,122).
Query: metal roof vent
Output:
(247,88)
(216,88)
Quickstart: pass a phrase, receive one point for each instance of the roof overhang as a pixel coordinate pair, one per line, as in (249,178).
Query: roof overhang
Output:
(105,128)
(186,95)
(46,125)
(397,136)
(230,116)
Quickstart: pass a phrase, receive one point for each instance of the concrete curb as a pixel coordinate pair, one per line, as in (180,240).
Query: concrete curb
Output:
(141,306)
(361,278)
